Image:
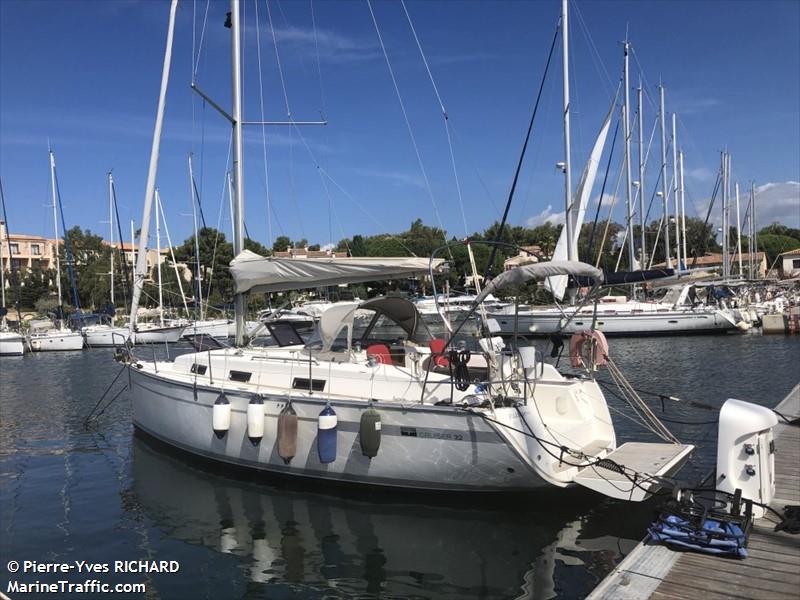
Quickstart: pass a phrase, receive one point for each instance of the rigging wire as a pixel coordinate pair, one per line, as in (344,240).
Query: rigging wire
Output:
(408,126)
(263,119)
(347,194)
(444,115)
(292,129)
(493,253)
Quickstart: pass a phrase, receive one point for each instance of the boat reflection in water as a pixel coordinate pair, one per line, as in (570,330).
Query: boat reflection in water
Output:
(273,538)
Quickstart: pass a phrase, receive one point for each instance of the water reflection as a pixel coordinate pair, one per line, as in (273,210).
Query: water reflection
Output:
(358,543)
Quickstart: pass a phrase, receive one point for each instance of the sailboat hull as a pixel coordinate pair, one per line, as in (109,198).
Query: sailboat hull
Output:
(430,448)
(158,335)
(56,341)
(546,323)
(103,336)
(11,344)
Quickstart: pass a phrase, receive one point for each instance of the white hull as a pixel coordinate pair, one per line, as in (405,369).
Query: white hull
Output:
(146,334)
(11,344)
(56,340)
(423,446)
(100,336)
(217,328)
(472,457)
(663,322)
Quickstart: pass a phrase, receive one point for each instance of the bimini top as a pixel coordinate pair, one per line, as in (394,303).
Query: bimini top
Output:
(540,272)
(254,273)
(398,311)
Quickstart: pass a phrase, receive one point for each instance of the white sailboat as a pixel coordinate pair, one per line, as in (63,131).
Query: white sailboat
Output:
(374,404)
(55,336)
(672,315)
(103,335)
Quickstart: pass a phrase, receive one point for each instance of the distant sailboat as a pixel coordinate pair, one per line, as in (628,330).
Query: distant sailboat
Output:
(46,336)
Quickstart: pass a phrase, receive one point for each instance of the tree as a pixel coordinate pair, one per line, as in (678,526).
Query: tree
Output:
(215,255)
(257,247)
(282,244)
(773,245)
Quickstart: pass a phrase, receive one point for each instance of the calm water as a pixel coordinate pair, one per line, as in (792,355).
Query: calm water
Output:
(102,494)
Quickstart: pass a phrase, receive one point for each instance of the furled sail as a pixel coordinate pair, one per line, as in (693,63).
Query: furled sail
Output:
(558,284)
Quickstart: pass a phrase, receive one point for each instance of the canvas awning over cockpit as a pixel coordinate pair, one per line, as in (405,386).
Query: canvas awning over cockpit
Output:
(254,273)
(399,311)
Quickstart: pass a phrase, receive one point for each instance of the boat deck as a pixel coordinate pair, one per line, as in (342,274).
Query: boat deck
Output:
(771,570)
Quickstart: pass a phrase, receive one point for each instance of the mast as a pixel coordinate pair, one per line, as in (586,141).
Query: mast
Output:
(198,308)
(55,226)
(724,159)
(640,106)
(755,225)
(111,228)
(738,231)
(158,259)
(683,212)
(626,122)
(141,263)
(3,230)
(238,172)
(567,160)
(133,246)
(675,191)
(665,198)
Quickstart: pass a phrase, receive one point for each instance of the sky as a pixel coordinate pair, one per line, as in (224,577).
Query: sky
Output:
(83,77)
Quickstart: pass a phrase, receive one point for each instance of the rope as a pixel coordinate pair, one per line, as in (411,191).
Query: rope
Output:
(499,237)
(408,126)
(263,126)
(638,404)
(322,170)
(444,115)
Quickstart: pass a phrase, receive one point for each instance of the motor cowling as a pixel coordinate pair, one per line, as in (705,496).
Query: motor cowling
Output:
(746,452)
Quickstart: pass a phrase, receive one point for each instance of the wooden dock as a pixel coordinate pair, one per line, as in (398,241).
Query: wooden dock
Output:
(770,572)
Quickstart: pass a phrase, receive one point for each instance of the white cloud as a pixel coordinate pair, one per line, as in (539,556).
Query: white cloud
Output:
(327,247)
(701,174)
(775,202)
(778,201)
(396,177)
(556,218)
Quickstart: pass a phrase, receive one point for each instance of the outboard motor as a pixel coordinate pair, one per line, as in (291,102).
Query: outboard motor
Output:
(746,452)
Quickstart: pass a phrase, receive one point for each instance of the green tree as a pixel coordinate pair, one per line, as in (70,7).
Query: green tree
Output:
(773,245)
(282,244)
(215,256)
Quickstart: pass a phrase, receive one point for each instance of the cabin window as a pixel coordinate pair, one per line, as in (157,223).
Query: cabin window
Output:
(301,383)
(796,263)
(199,369)
(285,334)
(240,376)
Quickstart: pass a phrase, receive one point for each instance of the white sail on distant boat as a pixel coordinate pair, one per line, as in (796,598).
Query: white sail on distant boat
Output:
(558,285)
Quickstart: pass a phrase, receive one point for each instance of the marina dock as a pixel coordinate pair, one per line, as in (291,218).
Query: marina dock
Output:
(771,570)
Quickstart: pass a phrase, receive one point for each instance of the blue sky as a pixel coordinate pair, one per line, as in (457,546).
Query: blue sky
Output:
(85,75)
